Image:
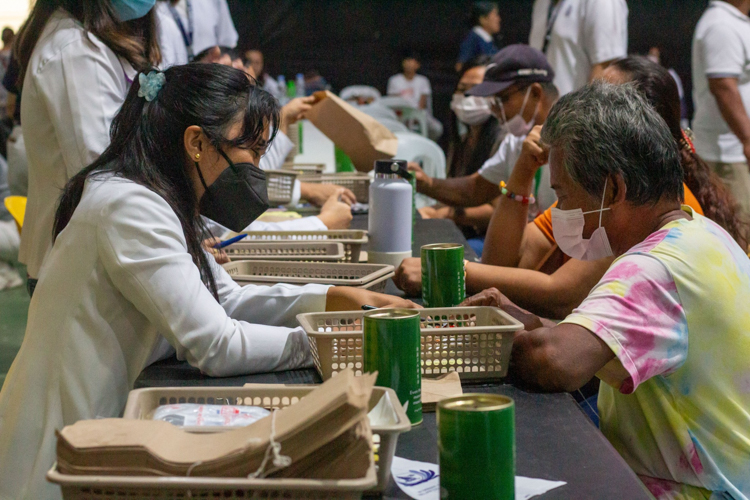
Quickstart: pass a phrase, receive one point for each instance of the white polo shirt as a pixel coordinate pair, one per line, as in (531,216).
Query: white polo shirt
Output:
(500,165)
(721,48)
(584,33)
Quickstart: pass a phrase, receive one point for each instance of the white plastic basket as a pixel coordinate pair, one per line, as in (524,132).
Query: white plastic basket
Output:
(305,168)
(181,488)
(357,182)
(473,341)
(280,186)
(264,272)
(352,239)
(313,251)
(142,402)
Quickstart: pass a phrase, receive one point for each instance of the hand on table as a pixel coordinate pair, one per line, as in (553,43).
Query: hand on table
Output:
(318,194)
(494,298)
(344,298)
(409,276)
(436,212)
(424,181)
(336,214)
(219,255)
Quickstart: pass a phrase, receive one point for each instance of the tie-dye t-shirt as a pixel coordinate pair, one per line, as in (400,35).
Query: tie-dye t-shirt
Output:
(675,310)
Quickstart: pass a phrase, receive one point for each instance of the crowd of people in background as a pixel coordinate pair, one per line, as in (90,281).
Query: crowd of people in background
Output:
(571,169)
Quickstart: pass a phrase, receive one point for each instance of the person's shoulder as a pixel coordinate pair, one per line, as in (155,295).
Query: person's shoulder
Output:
(112,196)
(64,36)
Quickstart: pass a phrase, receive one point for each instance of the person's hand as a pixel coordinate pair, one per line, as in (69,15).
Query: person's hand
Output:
(424,181)
(409,276)
(436,212)
(318,194)
(345,298)
(220,256)
(336,214)
(294,111)
(534,153)
(493,298)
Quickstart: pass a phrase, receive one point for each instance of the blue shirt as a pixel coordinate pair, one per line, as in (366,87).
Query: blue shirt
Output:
(474,45)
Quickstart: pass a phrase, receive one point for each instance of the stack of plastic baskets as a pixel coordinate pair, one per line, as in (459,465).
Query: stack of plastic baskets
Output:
(313,251)
(265,272)
(352,239)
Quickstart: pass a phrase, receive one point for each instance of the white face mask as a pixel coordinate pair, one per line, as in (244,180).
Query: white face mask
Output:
(567,227)
(471,110)
(517,125)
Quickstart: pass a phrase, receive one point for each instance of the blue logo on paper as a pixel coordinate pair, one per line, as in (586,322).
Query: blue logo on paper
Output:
(416,477)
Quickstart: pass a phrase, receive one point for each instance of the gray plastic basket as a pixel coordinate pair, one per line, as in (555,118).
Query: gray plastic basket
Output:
(352,239)
(358,183)
(142,403)
(263,272)
(280,185)
(473,341)
(312,251)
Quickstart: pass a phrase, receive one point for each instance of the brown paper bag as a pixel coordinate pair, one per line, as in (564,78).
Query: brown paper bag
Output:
(358,135)
(436,389)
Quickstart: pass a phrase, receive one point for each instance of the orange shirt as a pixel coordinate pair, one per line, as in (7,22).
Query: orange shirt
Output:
(544,220)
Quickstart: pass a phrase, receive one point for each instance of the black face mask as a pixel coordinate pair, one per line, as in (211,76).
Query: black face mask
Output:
(237,197)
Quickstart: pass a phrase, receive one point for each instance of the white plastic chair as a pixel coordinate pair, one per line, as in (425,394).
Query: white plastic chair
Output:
(378,111)
(414,119)
(414,147)
(393,125)
(352,92)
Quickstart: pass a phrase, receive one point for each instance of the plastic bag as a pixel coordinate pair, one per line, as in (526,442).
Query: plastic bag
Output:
(196,415)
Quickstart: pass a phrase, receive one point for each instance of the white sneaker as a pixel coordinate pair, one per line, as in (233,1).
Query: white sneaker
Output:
(9,277)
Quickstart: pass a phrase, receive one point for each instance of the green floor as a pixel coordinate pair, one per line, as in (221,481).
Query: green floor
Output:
(14,305)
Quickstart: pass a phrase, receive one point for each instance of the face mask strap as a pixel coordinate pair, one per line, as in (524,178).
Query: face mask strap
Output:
(200,174)
(601,208)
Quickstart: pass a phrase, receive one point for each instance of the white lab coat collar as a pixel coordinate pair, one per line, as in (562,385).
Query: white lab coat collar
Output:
(729,8)
(482,33)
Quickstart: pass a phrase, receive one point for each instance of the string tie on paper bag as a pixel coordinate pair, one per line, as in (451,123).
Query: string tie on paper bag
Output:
(274,448)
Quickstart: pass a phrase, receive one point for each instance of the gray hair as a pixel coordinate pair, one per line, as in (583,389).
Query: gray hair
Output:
(603,130)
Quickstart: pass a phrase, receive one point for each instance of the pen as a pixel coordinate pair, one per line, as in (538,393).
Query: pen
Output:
(368,308)
(228,242)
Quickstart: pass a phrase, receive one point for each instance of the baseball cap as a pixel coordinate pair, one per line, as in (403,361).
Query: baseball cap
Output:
(514,64)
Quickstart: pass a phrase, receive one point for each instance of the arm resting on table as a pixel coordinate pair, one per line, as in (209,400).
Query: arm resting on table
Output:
(470,191)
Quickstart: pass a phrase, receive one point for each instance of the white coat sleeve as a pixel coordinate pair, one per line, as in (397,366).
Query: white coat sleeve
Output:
(226,34)
(277,152)
(143,249)
(303,224)
(83,90)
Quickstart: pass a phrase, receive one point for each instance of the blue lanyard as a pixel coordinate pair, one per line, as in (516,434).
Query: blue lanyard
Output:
(554,11)
(187,36)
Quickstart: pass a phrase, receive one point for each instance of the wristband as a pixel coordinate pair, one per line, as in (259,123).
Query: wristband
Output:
(525,200)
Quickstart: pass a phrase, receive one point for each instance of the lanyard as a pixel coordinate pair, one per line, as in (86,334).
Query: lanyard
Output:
(554,11)
(187,36)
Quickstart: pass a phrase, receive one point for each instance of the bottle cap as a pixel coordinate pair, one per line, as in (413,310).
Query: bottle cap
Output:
(391,167)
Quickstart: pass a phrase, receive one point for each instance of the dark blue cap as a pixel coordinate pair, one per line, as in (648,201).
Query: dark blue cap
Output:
(514,64)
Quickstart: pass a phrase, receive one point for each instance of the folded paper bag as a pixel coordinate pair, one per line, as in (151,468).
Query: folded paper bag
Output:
(360,136)
(147,447)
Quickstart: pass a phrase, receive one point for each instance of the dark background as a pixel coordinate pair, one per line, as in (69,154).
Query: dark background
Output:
(361,41)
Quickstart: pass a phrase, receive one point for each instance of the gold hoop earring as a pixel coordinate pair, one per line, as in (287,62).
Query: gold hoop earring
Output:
(197,156)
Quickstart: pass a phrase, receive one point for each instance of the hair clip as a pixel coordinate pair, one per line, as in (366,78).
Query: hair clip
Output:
(151,84)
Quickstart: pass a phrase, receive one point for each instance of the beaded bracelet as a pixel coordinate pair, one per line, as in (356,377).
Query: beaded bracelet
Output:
(517,197)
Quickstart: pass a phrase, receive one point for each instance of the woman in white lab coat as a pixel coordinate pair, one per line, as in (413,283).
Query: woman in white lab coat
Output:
(127,267)
(77,62)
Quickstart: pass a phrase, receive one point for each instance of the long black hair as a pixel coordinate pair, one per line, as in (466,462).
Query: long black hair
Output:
(147,141)
(488,135)
(136,41)
(717,202)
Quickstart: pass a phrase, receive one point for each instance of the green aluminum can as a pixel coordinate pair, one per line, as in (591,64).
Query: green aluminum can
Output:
(392,347)
(443,275)
(477,444)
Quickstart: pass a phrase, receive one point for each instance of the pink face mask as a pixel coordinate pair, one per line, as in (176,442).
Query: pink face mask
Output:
(567,228)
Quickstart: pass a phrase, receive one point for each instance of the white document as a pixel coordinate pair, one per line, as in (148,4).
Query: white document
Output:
(421,480)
